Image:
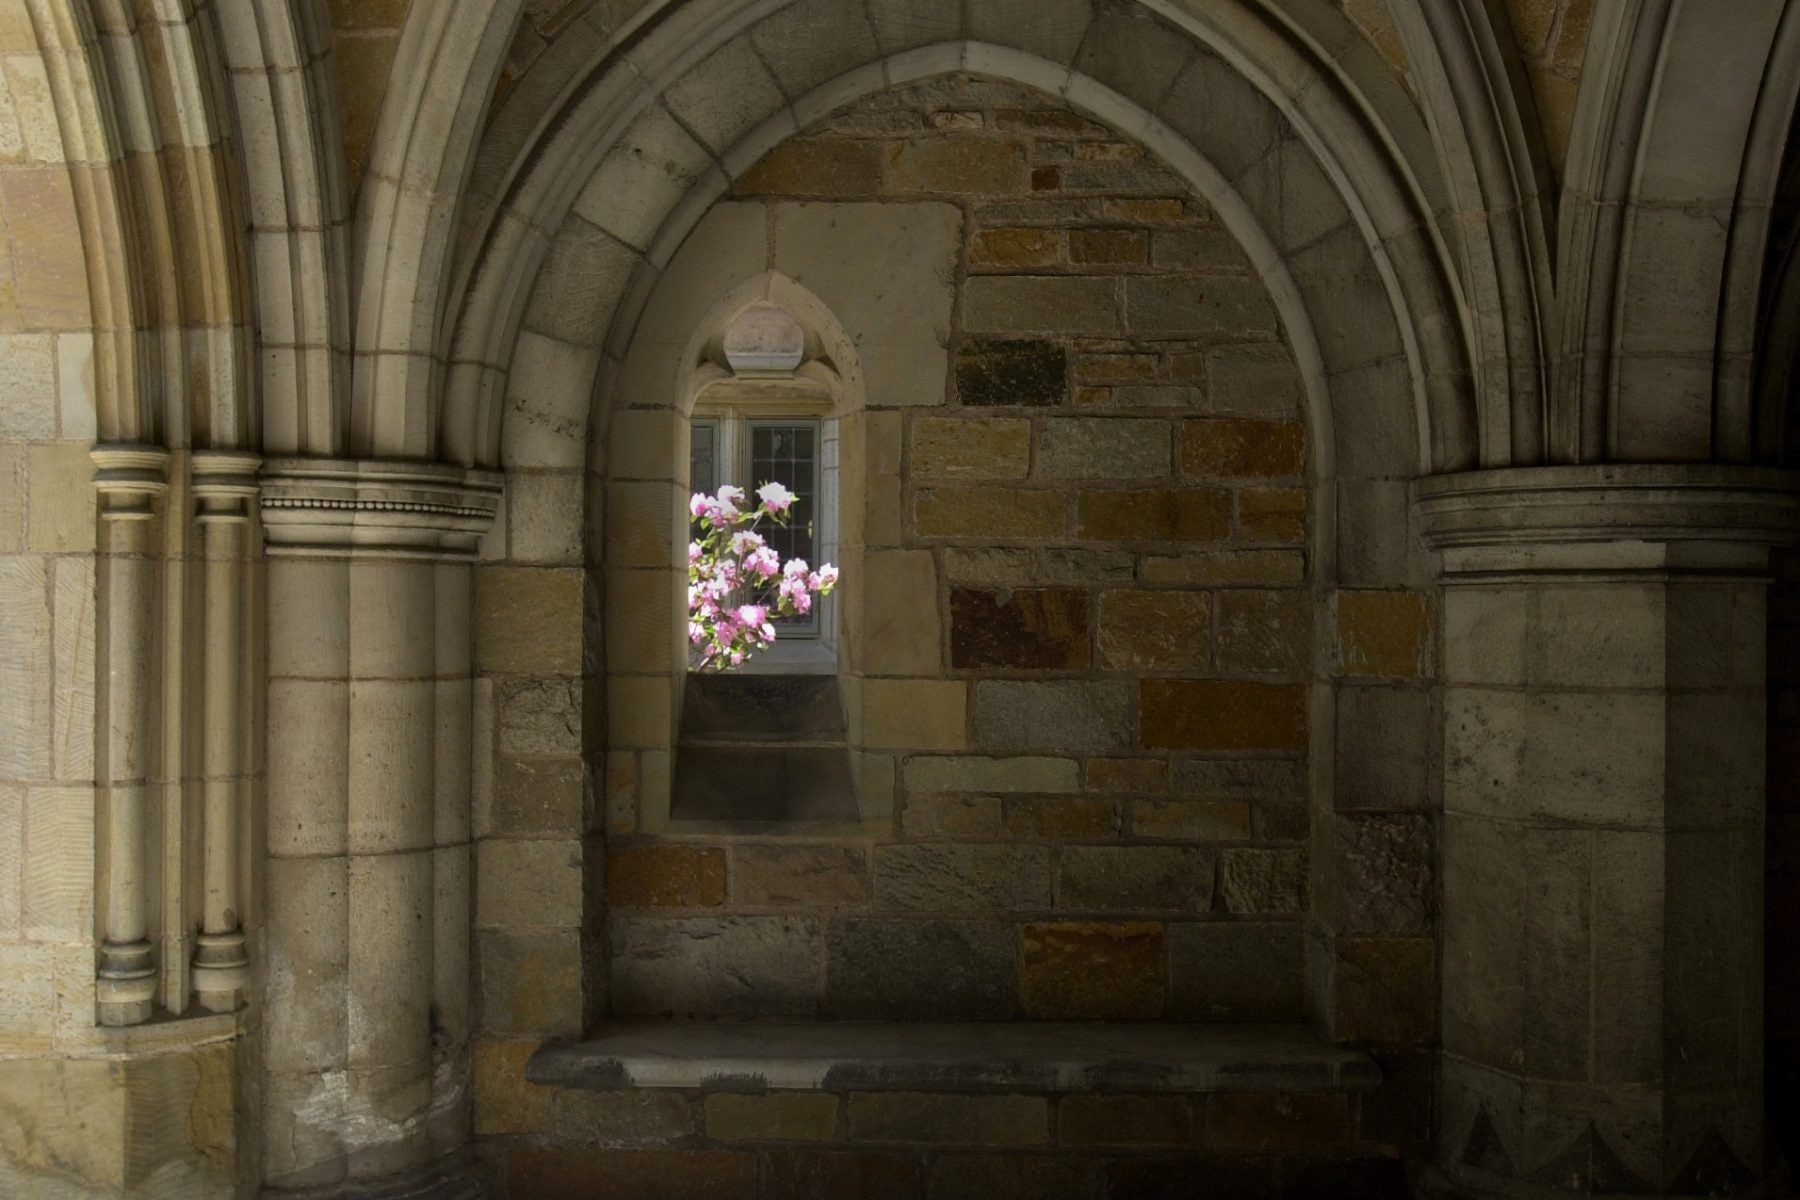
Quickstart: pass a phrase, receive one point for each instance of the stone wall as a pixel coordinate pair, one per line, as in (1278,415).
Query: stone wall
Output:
(1781,957)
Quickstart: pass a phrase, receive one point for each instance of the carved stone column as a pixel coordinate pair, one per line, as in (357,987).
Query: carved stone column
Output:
(131,481)
(224,487)
(365,1029)
(1603,753)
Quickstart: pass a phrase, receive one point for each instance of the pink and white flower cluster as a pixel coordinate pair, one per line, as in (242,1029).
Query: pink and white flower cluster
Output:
(737,584)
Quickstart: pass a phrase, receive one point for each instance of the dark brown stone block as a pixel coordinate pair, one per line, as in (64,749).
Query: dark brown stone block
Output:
(819,876)
(1185,515)
(1012,372)
(1190,1177)
(1278,1120)
(926,1117)
(831,1174)
(1014,1177)
(1027,629)
(665,877)
(1135,879)
(1080,970)
(1384,871)
(1203,714)
(1240,448)
(1386,991)
(1101,1120)
(544,1174)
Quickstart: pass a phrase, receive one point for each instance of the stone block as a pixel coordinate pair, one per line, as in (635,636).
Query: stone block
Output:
(1278,1120)
(1226,566)
(1383,740)
(25,678)
(1037,566)
(1261,781)
(1073,716)
(12,841)
(528,883)
(970,448)
(939,1119)
(1268,632)
(772,1117)
(812,42)
(1236,971)
(638,712)
(528,620)
(60,499)
(725,95)
(536,796)
(1013,1177)
(1134,53)
(1063,819)
(715,966)
(1189,1177)
(952,816)
(1382,633)
(1384,873)
(962,878)
(540,717)
(1050,29)
(1013,247)
(59,864)
(1116,368)
(1140,211)
(1082,971)
(1385,991)
(914,714)
(900,628)
(1198,306)
(545,1173)
(814,1174)
(643,1117)
(1134,879)
(959,165)
(1239,448)
(1252,380)
(665,876)
(1191,820)
(1125,775)
(1103,448)
(27,996)
(1155,630)
(504,1101)
(1105,1120)
(994,512)
(1019,372)
(1026,629)
(1207,248)
(970,773)
(1166,515)
(799,875)
(1084,304)
(1195,714)
(1257,882)
(920,970)
(1271,514)
(529,981)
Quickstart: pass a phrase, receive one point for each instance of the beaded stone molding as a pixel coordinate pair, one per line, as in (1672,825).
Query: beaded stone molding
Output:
(370,507)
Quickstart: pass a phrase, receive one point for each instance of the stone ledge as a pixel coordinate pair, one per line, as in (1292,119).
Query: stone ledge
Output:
(951,1057)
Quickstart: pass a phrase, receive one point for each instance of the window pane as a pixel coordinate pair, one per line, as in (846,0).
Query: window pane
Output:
(788,453)
(703,458)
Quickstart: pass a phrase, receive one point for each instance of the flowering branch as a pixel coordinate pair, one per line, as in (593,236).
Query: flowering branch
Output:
(737,584)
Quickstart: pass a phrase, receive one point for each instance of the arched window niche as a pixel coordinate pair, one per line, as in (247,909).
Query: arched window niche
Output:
(771,389)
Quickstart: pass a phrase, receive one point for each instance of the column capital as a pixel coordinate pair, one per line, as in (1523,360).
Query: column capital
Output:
(225,484)
(1608,517)
(377,508)
(129,478)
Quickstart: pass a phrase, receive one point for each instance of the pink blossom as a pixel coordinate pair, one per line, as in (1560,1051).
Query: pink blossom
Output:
(695,550)
(827,577)
(765,562)
(795,569)
(699,505)
(753,615)
(775,497)
(744,542)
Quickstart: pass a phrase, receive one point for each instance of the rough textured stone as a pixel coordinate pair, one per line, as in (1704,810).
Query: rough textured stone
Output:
(1381,633)
(1126,775)
(952,816)
(825,167)
(1265,631)
(529,981)
(644,1117)
(1013,1177)
(958,1120)
(1099,971)
(1227,566)
(1386,991)
(528,620)
(799,875)
(1191,820)
(774,1117)
(1235,971)
(1016,248)
(665,877)
(1284,1120)
(1124,1120)
(970,448)
(989,512)
(1109,246)
(1193,714)
(1262,881)
(953,878)
(1242,448)
(957,165)
(1187,515)
(1210,248)
(1027,629)
(919,970)
(968,773)
(1038,566)
(715,966)
(1030,373)
(1384,872)
(1103,448)
(1040,304)
(1134,879)
(1271,514)
(1196,306)
(1155,630)
(914,714)
(1254,380)
(813,1175)
(569,1174)
(1073,716)
(1063,818)
(1263,781)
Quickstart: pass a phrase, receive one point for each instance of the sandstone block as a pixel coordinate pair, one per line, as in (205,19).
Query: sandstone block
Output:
(1103,448)
(1037,566)
(536,795)
(957,165)
(1384,873)
(1013,247)
(1078,716)
(1185,515)
(773,1117)
(529,981)
(962,878)
(1026,372)
(1227,566)
(1271,514)
(949,816)
(665,877)
(1262,881)
(1109,246)
(540,717)
(569,1174)
(60,498)
(970,448)
(715,966)
(1085,304)
(1198,306)
(1242,448)
(1013,1177)
(524,883)
(1160,211)
(1386,991)
(799,875)
(1381,633)
(1030,628)
(1115,368)
(1154,630)
(1191,820)
(900,628)
(1134,879)
(1277,1120)
(638,711)
(1101,1120)
(1147,395)
(528,620)
(645,1117)
(1236,971)
(1063,818)
(920,970)
(914,714)
(1207,248)
(959,1120)
(806,1174)
(723,97)
(1255,379)
(1265,631)
(969,773)
(1080,971)
(1261,781)
(832,167)
(989,512)
(1125,775)
(504,1101)
(1192,714)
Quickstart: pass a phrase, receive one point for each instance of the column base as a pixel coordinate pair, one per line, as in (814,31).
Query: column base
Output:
(221,971)
(126,984)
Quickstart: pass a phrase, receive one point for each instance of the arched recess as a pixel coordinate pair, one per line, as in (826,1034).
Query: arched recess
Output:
(1668,167)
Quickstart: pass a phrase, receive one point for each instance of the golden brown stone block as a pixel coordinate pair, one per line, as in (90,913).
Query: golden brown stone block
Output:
(1272,514)
(1382,633)
(1027,628)
(1109,246)
(1065,819)
(665,877)
(1126,775)
(971,448)
(1265,631)
(782,875)
(1145,212)
(1185,515)
(816,167)
(776,1116)
(504,1101)
(528,620)
(989,512)
(1080,970)
(957,165)
(1235,447)
(1155,630)
(1191,820)
(1016,248)
(1206,714)
(1097,1120)
(1277,1120)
